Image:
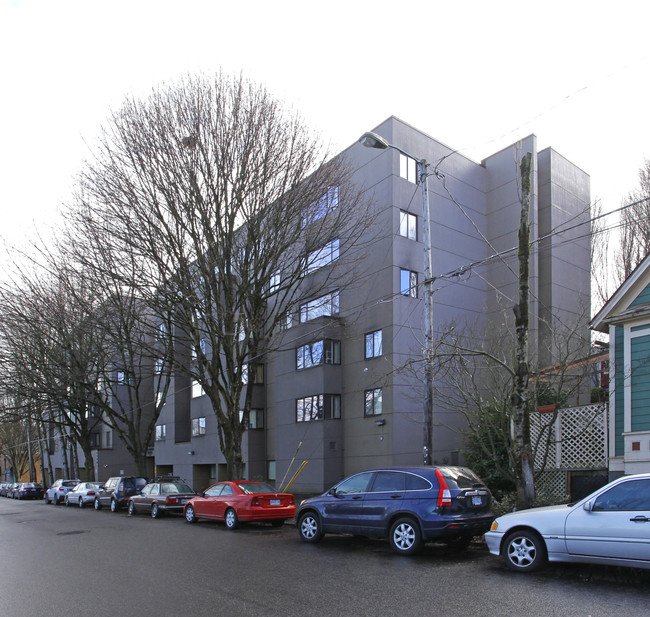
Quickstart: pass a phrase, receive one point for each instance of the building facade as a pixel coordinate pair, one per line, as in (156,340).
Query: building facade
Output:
(626,318)
(340,394)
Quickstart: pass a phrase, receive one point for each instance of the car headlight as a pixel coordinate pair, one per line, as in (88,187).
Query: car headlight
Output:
(494,526)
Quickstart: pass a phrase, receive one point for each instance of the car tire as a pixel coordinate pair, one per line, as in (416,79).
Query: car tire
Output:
(132,510)
(405,537)
(309,527)
(114,506)
(47,499)
(190,515)
(98,504)
(156,512)
(524,551)
(81,502)
(66,501)
(231,519)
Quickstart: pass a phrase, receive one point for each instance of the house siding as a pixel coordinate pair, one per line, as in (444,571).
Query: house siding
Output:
(640,383)
(619,393)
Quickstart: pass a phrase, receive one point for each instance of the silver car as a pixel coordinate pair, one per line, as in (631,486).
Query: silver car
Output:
(610,527)
(57,492)
(82,494)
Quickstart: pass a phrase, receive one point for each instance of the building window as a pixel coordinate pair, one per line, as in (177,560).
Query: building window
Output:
(121,377)
(318,209)
(374,344)
(256,419)
(319,352)
(274,283)
(270,470)
(408,225)
(161,432)
(198,427)
(197,389)
(108,440)
(318,407)
(158,365)
(159,399)
(323,256)
(324,306)
(95,440)
(408,168)
(373,402)
(408,283)
(258,377)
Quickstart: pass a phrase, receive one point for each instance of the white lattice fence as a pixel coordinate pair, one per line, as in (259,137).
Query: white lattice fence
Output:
(577,439)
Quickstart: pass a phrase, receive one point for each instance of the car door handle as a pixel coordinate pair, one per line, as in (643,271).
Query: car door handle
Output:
(395,496)
(357,497)
(640,519)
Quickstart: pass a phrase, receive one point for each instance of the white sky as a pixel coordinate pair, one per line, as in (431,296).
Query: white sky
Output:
(477,75)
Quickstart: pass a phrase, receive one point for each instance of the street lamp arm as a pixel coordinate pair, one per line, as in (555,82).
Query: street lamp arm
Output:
(372,140)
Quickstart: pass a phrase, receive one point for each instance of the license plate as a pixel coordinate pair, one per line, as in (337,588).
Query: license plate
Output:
(477,501)
(275,502)
(183,500)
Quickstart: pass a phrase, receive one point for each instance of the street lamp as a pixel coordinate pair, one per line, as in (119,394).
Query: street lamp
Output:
(372,140)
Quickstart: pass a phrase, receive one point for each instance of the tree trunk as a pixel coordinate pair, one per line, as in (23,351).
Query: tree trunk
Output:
(521,416)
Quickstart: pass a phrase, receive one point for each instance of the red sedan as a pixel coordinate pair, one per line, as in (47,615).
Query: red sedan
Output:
(242,500)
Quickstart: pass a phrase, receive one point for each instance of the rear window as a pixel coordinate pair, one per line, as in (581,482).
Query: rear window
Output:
(70,483)
(251,488)
(461,478)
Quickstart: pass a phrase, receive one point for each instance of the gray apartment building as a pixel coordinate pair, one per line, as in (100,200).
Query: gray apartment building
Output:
(344,390)
(339,394)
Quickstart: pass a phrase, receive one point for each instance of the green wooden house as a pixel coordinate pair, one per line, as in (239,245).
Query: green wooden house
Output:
(626,317)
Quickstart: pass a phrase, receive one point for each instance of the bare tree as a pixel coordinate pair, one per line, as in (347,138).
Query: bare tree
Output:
(224,202)
(635,229)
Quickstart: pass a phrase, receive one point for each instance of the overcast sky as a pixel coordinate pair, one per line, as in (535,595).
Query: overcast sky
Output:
(476,75)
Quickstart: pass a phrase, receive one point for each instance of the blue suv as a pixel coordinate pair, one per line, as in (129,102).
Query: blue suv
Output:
(408,505)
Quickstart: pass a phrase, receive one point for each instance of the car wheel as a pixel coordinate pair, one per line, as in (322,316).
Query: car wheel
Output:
(231,519)
(524,551)
(81,502)
(66,501)
(190,515)
(309,527)
(156,512)
(405,537)
(132,510)
(114,506)
(98,505)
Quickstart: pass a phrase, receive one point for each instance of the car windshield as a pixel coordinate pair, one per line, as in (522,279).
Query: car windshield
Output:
(173,488)
(251,488)
(462,477)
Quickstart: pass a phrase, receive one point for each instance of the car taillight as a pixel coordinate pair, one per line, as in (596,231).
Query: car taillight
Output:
(255,502)
(171,500)
(444,494)
(61,488)
(90,493)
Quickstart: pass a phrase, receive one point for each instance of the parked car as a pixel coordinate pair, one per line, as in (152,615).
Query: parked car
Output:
(164,495)
(610,527)
(28,490)
(116,491)
(10,489)
(57,492)
(243,500)
(82,494)
(407,505)
(4,486)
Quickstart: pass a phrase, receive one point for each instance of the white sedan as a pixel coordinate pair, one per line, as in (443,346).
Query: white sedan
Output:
(610,527)
(82,494)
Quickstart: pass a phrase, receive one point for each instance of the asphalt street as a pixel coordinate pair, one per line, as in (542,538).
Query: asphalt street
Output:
(58,561)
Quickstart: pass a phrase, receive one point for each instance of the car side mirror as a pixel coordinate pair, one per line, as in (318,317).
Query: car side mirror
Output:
(588,506)
(332,492)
